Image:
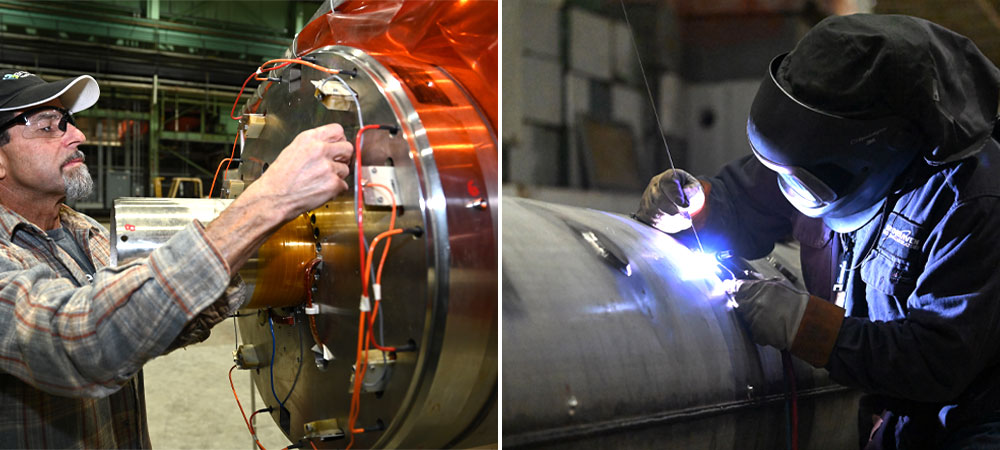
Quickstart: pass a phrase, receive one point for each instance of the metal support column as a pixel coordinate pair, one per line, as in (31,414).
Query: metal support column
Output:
(155,108)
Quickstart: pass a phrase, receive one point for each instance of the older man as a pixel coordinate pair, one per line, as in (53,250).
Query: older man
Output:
(75,333)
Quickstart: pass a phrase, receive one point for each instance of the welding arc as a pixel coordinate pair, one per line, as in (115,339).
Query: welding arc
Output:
(652,103)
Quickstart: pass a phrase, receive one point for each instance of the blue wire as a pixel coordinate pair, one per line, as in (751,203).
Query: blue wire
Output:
(274,345)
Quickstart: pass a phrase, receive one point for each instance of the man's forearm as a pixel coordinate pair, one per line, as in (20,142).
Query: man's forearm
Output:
(243,227)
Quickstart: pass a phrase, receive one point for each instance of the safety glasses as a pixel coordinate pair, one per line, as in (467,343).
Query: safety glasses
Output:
(42,122)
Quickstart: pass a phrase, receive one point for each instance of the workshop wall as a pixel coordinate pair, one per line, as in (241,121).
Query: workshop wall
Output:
(578,115)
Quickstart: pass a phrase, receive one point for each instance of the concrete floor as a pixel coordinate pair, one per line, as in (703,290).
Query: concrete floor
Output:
(190,404)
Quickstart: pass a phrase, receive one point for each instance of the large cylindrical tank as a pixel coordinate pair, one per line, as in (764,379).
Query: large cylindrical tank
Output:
(617,336)
(426,71)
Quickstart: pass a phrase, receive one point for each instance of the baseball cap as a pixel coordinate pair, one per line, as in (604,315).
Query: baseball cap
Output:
(20,89)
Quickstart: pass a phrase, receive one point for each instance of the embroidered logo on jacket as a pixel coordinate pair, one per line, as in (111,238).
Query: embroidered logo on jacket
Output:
(901,237)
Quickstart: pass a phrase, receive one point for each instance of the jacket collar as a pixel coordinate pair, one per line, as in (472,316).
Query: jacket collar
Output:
(74,221)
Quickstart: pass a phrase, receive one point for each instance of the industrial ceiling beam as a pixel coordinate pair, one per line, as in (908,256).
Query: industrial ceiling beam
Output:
(136,33)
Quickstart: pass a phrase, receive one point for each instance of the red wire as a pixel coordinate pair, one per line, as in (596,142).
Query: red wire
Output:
(253,430)
(361,205)
(237,101)
(249,427)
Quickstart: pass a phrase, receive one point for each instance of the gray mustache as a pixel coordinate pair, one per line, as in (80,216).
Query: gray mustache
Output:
(77,155)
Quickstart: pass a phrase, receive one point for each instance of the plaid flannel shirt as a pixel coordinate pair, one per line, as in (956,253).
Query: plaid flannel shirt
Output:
(71,349)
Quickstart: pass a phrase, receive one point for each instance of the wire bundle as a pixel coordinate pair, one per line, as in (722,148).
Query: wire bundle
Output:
(365,323)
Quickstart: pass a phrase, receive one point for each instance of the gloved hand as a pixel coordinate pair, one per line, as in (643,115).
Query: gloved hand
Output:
(773,308)
(664,207)
(784,317)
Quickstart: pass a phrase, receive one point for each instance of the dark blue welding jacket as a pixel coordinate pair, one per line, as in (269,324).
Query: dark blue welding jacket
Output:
(923,293)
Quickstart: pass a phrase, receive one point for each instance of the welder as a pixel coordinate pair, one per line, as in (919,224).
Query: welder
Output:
(873,145)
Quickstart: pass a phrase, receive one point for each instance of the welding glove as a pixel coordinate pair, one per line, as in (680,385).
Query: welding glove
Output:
(784,317)
(669,201)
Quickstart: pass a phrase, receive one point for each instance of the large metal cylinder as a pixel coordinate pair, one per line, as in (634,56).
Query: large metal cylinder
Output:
(614,336)
(422,69)
(439,289)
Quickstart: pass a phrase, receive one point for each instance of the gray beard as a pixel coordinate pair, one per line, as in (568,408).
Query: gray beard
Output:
(79,184)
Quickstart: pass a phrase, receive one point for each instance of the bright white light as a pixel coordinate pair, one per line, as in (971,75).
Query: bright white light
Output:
(697,265)
(690,266)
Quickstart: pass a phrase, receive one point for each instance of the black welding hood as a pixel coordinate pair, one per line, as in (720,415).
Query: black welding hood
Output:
(847,111)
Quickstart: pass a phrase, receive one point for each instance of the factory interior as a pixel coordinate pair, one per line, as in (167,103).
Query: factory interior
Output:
(507,145)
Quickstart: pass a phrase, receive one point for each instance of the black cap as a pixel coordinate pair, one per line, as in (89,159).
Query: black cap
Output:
(20,89)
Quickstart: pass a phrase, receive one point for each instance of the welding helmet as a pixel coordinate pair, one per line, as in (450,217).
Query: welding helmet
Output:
(838,168)
(862,97)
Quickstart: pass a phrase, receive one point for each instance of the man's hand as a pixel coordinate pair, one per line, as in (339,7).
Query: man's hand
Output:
(669,200)
(309,172)
(773,308)
(784,317)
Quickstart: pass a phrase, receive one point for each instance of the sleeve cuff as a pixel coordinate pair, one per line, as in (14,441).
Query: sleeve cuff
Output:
(817,333)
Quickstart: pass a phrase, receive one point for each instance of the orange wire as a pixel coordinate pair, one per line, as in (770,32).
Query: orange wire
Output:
(364,339)
(249,427)
(217,169)
(361,363)
(378,276)
(358,375)
(371,250)
(392,226)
